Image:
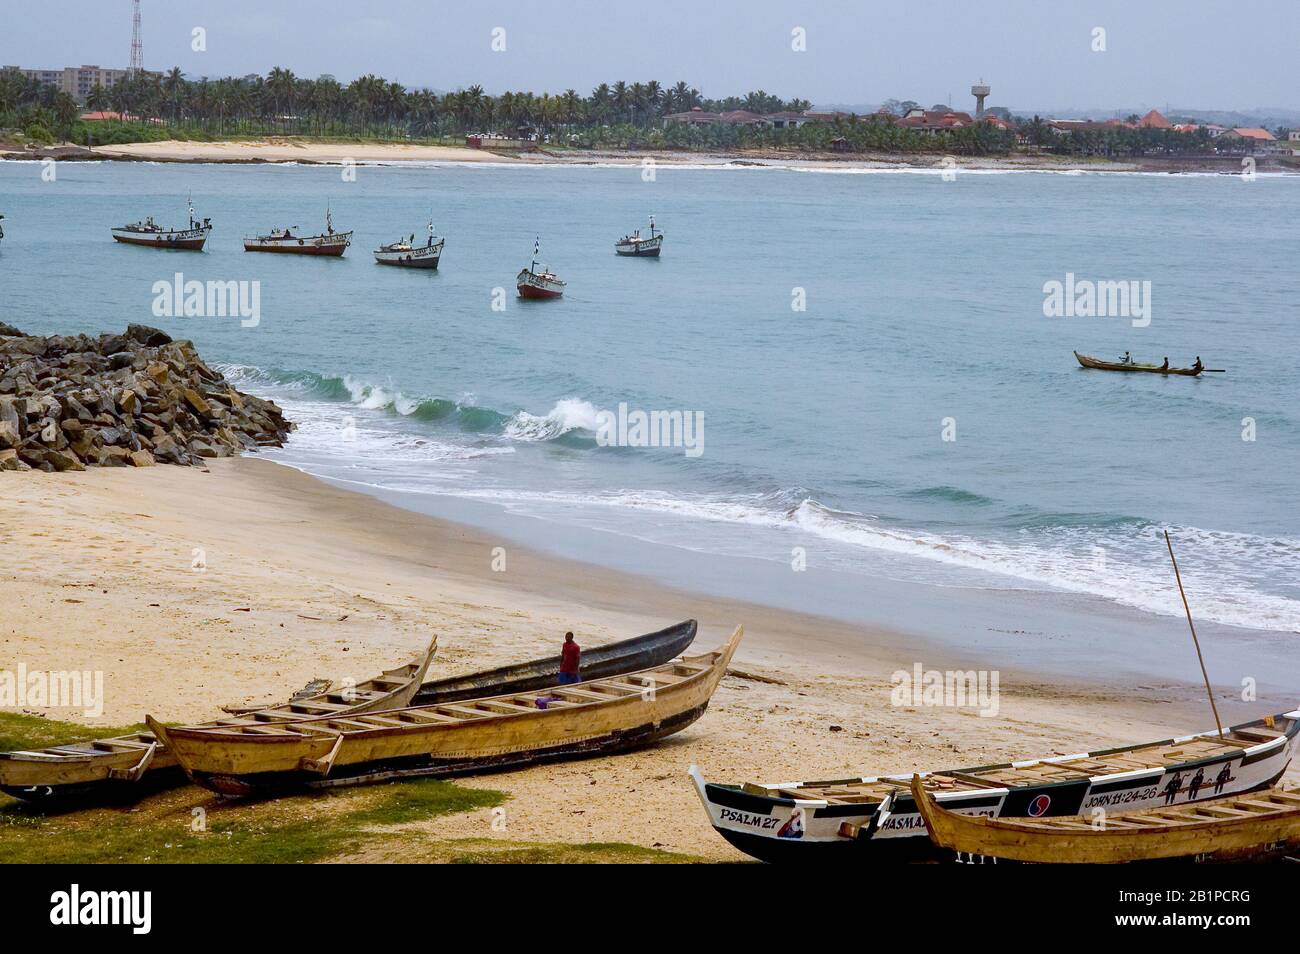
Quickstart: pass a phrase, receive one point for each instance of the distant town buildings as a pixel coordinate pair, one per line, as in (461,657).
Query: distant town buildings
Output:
(743,117)
(76,81)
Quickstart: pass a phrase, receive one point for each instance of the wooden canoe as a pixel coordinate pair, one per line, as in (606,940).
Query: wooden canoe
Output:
(63,771)
(593,717)
(107,768)
(1090,362)
(628,655)
(1239,828)
(838,820)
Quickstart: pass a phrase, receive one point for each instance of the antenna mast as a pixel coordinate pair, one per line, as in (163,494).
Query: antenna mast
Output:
(137,50)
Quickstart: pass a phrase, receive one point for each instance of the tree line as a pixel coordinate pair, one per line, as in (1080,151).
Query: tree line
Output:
(620,114)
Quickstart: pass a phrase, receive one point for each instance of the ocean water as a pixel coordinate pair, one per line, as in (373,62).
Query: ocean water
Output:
(823,429)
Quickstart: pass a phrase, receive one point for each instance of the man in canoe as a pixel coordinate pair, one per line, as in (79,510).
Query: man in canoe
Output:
(1198,366)
(1165,366)
(1127,359)
(570,661)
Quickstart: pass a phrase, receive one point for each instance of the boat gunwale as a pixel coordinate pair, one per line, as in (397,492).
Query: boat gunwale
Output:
(1293,728)
(225,735)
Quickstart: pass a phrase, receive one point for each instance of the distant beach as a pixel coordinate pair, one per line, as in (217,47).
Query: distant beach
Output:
(309,151)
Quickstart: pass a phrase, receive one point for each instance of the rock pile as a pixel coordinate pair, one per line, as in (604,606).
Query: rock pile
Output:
(135,399)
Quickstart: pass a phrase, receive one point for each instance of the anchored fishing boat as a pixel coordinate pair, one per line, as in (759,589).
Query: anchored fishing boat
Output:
(101,765)
(404,253)
(813,822)
(328,243)
(151,234)
(1239,828)
(593,717)
(534,284)
(635,245)
(1130,365)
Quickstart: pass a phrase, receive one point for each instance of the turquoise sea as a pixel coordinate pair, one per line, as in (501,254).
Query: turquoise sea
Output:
(823,429)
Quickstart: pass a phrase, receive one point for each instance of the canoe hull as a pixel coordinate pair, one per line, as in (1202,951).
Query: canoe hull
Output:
(628,655)
(487,733)
(430,766)
(1221,830)
(773,827)
(1096,364)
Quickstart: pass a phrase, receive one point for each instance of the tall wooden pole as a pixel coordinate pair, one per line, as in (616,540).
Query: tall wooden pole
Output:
(1204,675)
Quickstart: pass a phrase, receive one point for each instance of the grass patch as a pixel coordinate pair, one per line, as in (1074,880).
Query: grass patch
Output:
(295,830)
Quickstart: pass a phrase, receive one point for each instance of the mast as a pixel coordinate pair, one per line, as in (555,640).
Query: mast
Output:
(1178,576)
(537,250)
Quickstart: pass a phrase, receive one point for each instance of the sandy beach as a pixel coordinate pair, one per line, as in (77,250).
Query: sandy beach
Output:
(293,150)
(296,579)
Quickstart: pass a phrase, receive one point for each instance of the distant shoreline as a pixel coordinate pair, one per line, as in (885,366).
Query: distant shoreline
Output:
(313,152)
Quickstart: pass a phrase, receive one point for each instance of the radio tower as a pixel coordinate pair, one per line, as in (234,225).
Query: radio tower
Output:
(137,51)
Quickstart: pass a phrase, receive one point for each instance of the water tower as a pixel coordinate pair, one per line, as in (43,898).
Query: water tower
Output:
(980,92)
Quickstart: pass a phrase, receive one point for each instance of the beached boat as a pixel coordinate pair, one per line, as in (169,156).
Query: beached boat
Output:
(1100,365)
(1239,828)
(404,253)
(593,717)
(151,234)
(102,766)
(328,243)
(636,245)
(538,285)
(813,822)
(612,659)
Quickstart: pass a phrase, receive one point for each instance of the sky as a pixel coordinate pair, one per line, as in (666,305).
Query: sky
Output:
(1036,54)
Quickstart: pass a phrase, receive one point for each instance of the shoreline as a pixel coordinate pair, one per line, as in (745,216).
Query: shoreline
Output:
(303,579)
(272,150)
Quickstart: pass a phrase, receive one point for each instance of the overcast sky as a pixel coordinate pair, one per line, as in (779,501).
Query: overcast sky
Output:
(1207,54)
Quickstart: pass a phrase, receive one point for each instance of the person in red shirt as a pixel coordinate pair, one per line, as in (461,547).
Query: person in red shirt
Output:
(570,661)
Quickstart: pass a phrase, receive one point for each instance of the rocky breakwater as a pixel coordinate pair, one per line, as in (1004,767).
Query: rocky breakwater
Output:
(134,399)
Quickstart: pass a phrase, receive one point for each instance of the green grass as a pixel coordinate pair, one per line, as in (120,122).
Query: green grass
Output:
(296,830)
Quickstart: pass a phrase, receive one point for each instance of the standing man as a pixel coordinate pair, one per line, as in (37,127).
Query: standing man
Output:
(570,661)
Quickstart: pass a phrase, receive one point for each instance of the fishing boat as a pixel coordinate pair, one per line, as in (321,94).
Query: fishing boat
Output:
(635,245)
(149,233)
(593,717)
(612,659)
(1100,365)
(538,285)
(101,768)
(404,253)
(822,821)
(104,765)
(1239,828)
(329,242)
